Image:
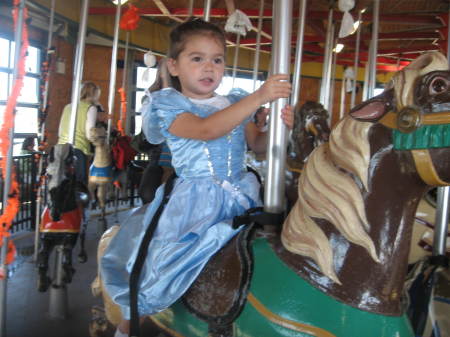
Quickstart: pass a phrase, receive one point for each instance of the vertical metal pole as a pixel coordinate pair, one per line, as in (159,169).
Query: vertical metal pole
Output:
(258,44)
(356,62)
(7,174)
(191,7)
(296,83)
(129,84)
(374,50)
(365,94)
(332,83)
(327,63)
(207,10)
(44,105)
(236,56)
(342,103)
(113,72)
(78,69)
(124,78)
(49,45)
(276,147)
(441,222)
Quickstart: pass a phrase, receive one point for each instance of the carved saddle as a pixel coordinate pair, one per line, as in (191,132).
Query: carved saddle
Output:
(219,293)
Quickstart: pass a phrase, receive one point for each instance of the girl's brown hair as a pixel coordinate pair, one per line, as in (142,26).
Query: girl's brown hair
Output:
(181,33)
(163,78)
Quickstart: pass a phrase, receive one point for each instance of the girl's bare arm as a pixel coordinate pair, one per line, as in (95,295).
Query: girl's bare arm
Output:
(188,125)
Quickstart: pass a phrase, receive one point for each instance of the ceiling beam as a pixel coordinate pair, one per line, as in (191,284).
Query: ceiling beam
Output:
(408,19)
(382,37)
(165,11)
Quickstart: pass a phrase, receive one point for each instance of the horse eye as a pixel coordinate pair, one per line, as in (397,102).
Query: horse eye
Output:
(439,85)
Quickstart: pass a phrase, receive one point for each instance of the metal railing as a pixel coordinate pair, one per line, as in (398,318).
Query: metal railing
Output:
(26,169)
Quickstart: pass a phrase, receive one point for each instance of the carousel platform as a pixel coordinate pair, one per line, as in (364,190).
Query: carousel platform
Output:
(27,309)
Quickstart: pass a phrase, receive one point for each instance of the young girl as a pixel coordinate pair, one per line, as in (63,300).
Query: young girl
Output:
(207,136)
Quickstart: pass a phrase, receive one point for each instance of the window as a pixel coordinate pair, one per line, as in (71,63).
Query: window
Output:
(26,122)
(144,81)
(239,82)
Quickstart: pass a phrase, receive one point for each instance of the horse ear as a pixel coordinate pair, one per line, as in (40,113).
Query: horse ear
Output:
(375,108)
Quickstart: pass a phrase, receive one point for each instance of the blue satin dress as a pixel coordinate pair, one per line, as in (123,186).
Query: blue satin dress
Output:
(212,187)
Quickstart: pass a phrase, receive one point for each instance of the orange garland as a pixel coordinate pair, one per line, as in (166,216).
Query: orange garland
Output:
(123,106)
(12,204)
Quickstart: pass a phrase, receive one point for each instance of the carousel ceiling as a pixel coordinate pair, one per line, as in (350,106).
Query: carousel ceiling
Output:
(406,27)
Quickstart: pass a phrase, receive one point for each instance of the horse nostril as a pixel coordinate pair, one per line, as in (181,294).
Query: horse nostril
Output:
(439,85)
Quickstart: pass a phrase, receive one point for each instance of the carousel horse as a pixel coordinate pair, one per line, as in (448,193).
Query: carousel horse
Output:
(101,170)
(339,265)
(310,130)
(62,218)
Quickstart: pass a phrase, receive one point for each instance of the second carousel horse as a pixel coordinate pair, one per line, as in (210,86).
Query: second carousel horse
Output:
(62,218)
(101,170)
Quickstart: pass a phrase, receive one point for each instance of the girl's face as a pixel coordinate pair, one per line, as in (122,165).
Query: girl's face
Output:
(199,67)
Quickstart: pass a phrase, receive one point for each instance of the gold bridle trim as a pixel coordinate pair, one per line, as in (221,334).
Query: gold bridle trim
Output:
(287,323)
(425,168)
(390,119)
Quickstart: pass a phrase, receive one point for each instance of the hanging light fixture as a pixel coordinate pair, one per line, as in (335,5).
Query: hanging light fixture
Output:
(338,48)
(122,2)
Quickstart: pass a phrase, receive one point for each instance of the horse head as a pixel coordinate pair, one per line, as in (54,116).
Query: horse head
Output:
(61,180)
(310,130)
(352,223)
(97,136)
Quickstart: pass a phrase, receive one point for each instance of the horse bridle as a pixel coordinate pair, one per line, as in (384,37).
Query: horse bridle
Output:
(408,120)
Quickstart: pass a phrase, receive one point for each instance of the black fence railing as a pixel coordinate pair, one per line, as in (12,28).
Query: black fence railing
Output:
(26,168)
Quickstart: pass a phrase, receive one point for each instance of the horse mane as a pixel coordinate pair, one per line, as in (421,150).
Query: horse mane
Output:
(330,188)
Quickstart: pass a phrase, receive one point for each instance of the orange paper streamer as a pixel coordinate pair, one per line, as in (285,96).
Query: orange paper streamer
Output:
(123,107)
(12,204)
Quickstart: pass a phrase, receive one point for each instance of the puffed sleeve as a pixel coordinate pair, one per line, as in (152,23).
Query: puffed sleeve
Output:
(150,123)
(159,110)
(236,95)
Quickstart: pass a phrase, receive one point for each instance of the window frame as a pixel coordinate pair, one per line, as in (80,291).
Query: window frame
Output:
(19,136)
